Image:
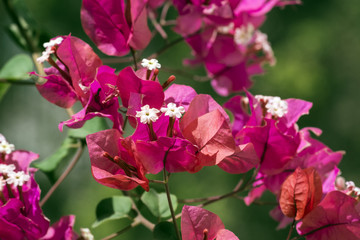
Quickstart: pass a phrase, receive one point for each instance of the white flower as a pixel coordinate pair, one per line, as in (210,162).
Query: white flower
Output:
(6,147)
(262,43)
(172,111)
(6,169)
(147,114)
(2,183)
(86,234)
(150,64)
(45,55)
(276,107)
(244,34)
(357,191)
(225,29)
(350,185)
(17,178)
(53,42)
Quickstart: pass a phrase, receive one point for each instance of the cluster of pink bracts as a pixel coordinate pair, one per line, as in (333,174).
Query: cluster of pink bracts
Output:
(179,130)
(20,214)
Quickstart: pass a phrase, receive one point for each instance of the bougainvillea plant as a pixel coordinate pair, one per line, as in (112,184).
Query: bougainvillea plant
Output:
(174,128)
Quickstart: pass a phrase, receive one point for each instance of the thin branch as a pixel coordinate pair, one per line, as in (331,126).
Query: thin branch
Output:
(117,60)
(133,54)
(64,174)
(111,236)
(291,229)
(157,26)
(167,190)
(14,16)
(18,81)
(164,12)
(186,74)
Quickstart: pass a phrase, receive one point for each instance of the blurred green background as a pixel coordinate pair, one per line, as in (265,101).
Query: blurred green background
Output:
(317,45)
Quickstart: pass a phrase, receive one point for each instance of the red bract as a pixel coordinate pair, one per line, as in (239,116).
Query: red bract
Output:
(336,217)
(115,27)
(102,102)
(57,91)
(300,193)
(206,125)
(81,62)
(114,162)
(62,230)
(128,82)
(199,224)
(20,214)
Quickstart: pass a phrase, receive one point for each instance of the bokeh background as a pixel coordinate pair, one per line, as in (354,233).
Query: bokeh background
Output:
(317,45)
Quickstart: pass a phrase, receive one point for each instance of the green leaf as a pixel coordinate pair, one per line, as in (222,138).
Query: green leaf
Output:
(116,207)
(164,231)
(158,203)
(96,124)
(66,150)
(16,68)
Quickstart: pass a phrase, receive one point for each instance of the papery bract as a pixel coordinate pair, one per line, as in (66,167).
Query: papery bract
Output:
(214,142)
(115,27)
(82,63)
(62,230)
(336,217)
(195,220)
(300,193)
(108,172)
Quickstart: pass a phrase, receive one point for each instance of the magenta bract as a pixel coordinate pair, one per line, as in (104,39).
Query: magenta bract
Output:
(126,172)
(115,27)
(195,222)
(336,217)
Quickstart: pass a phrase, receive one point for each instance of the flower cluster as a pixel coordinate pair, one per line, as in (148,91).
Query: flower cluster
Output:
(178,130)
(225,37)
(20,214)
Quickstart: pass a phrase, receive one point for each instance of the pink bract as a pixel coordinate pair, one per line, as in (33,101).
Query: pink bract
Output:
(115,27)
(106,171)
(336,217)
(195,220)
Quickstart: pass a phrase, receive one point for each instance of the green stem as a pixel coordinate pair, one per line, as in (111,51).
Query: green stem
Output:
(134,58)
(167,190)
(291,229)
(111,236)
(17,81)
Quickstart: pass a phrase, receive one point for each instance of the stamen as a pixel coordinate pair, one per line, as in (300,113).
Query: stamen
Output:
(128,169)
(205,234)
(170,80)
(156,72)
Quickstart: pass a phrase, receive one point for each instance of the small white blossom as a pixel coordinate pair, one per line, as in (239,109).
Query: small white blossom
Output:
(244,34)
(6,147)
(357,191)
(86,234)
(150,64)
(350,185)
(172,111)
(2,183)
(147,114)
(53,42)
(17,178)
(6,169)
(210,9)
(226,29)
(45,55)
(262,43)
(276,107)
